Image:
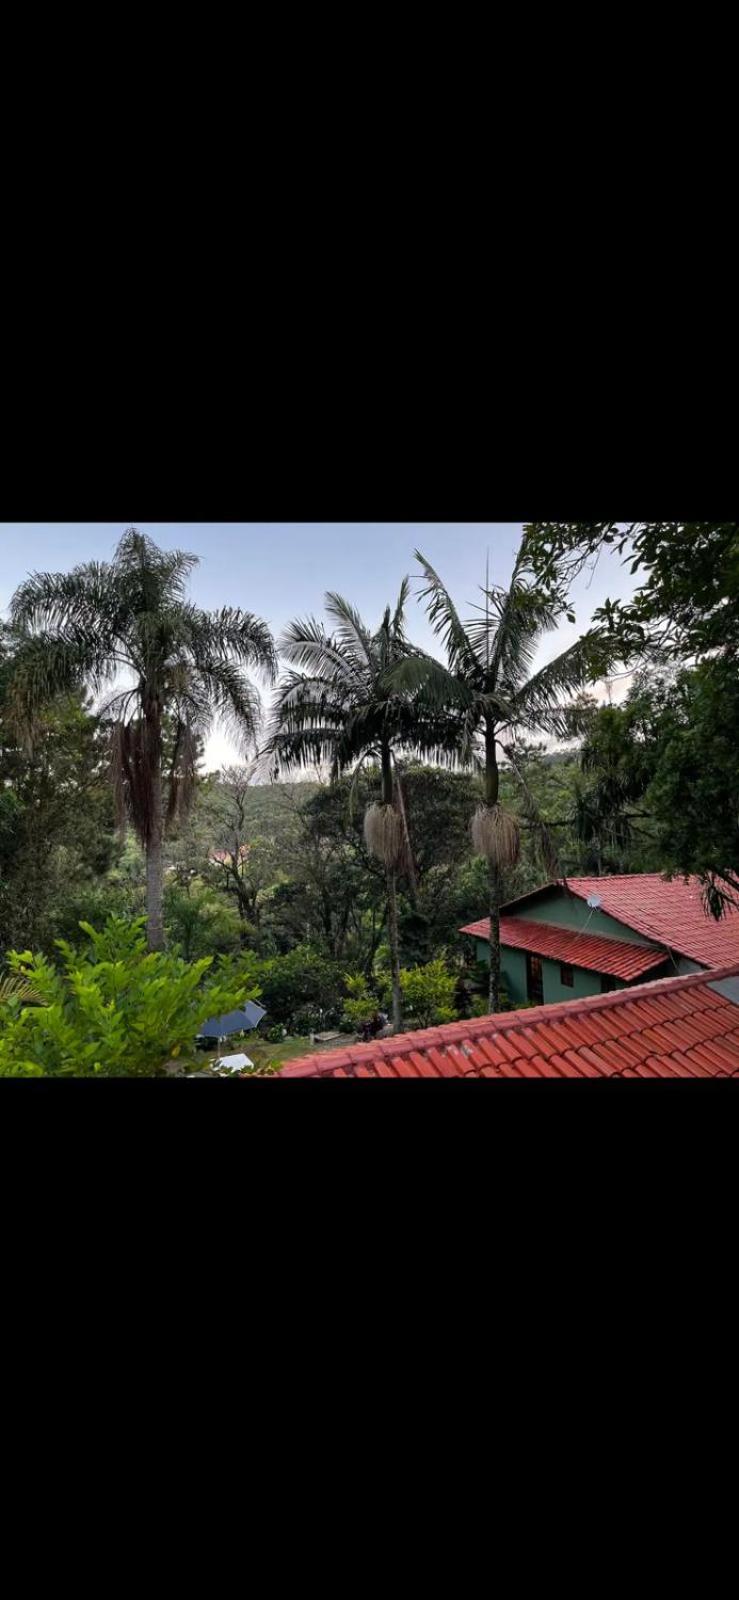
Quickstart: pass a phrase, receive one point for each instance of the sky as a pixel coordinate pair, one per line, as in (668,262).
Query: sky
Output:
(281,570)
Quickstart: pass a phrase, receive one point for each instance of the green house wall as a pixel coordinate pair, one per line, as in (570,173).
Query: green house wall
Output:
(569,911)
(513,972)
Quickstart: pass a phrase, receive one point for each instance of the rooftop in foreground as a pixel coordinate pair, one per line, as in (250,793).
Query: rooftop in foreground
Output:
(673,1028)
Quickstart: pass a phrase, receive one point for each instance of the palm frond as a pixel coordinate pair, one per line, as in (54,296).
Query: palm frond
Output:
(232,633)
(398,622)
(543,838)
(306,643)
(444,618)
(539,702)
(16,987)
(351,630)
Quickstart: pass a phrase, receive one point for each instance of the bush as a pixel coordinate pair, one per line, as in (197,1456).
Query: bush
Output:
(274,1035)
(111,1009)
(362,1004)
(428,993)
(305,1020)
(297,984)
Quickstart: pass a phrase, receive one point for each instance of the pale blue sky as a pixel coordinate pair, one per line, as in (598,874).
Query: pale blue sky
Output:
(281,570)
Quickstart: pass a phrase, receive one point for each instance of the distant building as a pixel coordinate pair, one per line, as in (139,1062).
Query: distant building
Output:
(228,858)
(584,936)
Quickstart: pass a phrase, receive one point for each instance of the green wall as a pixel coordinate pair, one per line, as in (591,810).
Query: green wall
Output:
(513,970)
(565,911)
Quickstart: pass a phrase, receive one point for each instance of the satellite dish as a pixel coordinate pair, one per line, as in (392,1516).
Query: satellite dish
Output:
(594,901)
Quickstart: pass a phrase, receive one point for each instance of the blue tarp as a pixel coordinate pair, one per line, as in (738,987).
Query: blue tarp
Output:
(233,1021)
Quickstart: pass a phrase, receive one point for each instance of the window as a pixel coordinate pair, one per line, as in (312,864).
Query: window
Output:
(565,977)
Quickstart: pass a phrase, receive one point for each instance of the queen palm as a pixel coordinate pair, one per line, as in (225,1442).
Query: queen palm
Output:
(496,697)
(129,619)
(339,707)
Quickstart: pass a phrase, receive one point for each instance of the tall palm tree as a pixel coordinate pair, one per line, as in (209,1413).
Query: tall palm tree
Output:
(489,684)
(338,706)
(130,618)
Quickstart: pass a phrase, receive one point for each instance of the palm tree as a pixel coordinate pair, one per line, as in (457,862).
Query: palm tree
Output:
(490,686)
(339,707)
(184,668)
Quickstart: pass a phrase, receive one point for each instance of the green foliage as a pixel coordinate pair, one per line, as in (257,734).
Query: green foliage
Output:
(693,795)
(688,603)
(361,1004)
(300,989)
(108,1009)
(56,821)
(274,1035)
(428,993)
(200,921)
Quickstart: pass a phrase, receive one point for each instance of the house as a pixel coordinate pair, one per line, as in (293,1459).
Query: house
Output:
(672,1028)
(584,936)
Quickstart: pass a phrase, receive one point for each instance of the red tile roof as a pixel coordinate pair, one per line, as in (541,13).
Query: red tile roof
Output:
(592,951)
(673,1028)
(669,912)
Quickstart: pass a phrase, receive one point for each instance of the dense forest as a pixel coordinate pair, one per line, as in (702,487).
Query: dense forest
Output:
(385,797)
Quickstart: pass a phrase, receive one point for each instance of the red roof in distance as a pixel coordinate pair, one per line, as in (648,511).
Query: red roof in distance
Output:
(593,951)
(672,1028)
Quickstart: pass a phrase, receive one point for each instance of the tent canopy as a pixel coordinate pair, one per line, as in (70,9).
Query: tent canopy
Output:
(248,1017)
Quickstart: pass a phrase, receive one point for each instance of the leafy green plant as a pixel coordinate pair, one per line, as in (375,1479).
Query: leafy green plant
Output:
(361,1004)
(428,993)
(274,1035)
(109,1009)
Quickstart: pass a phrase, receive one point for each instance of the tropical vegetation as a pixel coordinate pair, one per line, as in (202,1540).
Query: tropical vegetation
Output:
(386,797)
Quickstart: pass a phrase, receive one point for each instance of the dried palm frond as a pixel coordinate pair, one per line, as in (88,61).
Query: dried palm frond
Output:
(383,834)
(183,773)
(132,772)
(16,987)
(496,836)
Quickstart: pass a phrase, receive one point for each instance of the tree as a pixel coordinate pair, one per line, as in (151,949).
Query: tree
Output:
(686,610)
(243,860)
(692,794)
(109,1009)
(340,706)
(688,604)
(185,666)
(489,683)
(56,817)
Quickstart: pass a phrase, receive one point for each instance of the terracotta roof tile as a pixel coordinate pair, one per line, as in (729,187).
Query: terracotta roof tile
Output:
(674,1027)
(670,913)
(594,952)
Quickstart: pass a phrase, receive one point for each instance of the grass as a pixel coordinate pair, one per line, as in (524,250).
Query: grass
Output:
(260,1051)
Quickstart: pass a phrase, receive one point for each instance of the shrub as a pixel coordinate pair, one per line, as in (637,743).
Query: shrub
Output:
(428,993)
(111,1009)
(306,1019)
(299,982)
(361,1005)
(274,1035)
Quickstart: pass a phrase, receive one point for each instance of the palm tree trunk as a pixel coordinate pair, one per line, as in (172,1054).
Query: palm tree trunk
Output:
(492,782)
(494,912)
(392,929)
(154,875)
(154,862)
(392,895)
(409,862)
